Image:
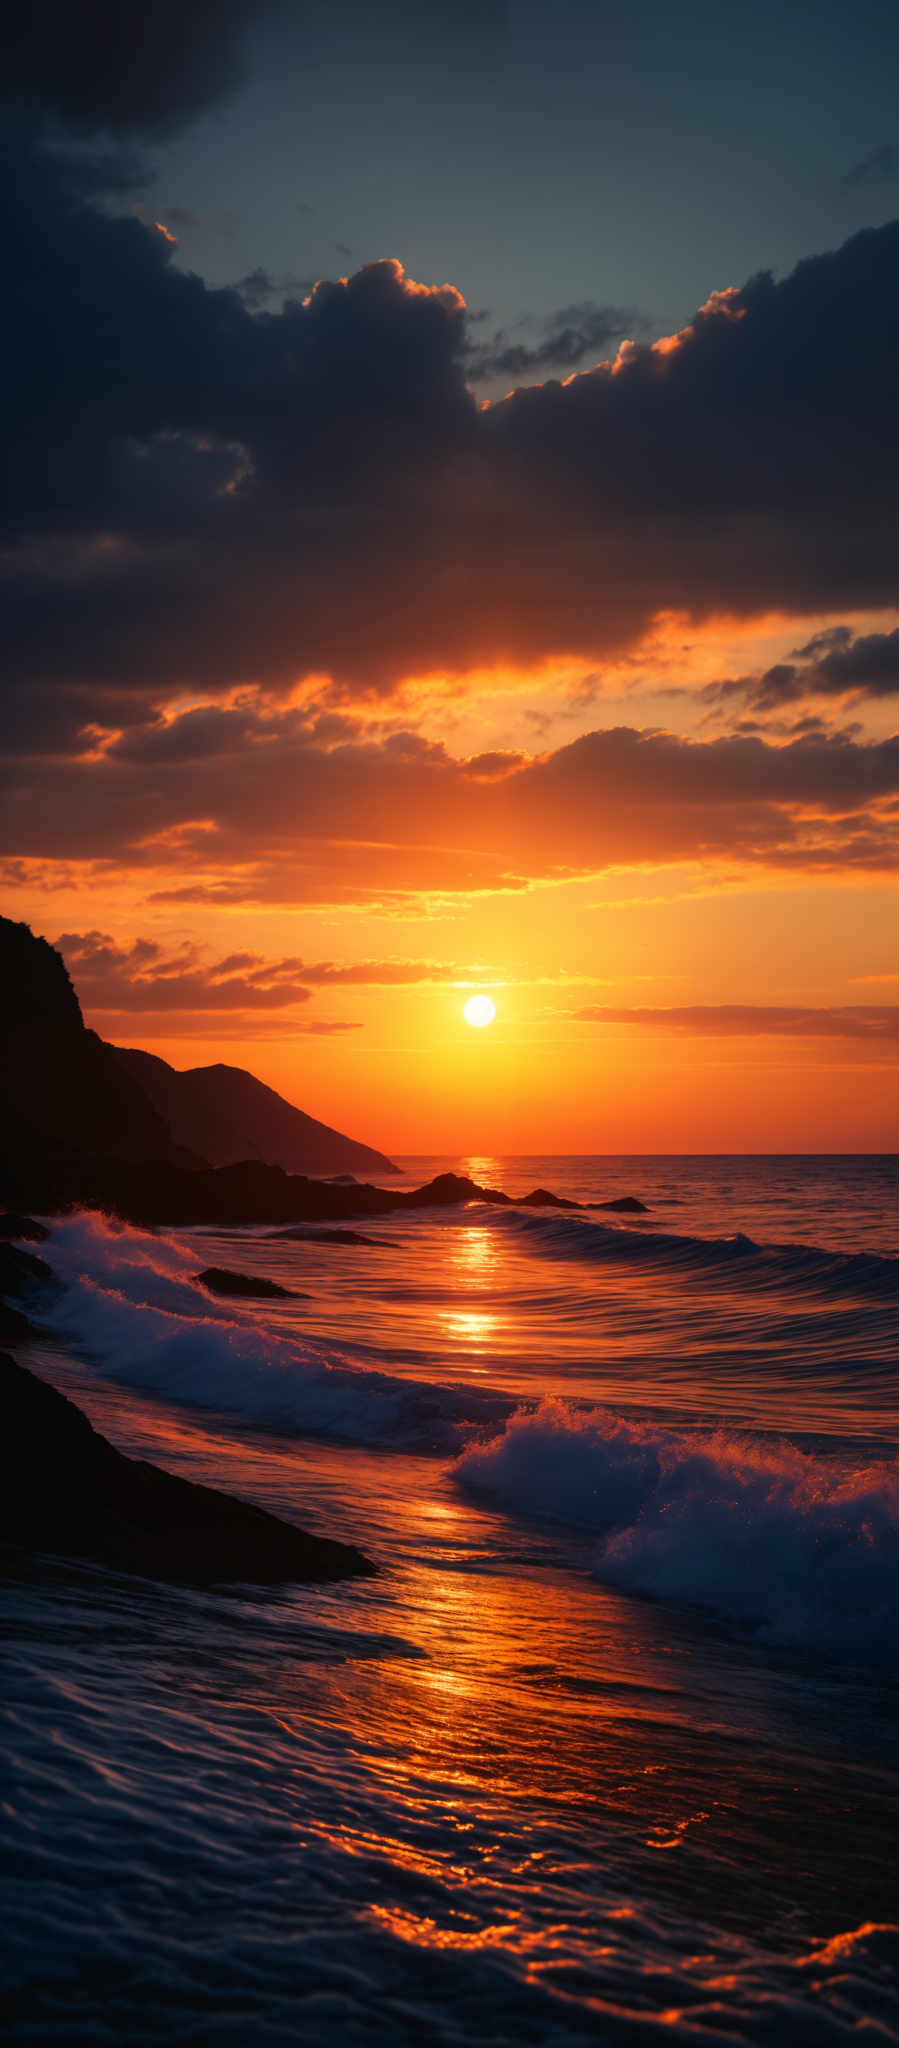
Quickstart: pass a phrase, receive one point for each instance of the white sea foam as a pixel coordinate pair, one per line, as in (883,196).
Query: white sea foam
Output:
(799,1547)
(131,1305)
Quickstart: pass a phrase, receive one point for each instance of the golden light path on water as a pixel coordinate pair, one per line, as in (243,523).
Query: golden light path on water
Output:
(497,1757)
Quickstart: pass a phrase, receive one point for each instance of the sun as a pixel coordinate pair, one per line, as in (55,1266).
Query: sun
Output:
(479,1010)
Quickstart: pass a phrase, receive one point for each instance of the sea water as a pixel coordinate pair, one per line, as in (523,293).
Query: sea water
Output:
(607,1752)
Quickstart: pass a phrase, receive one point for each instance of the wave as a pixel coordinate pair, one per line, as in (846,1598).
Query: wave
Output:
(797,1546)
(130,1305)
(794,1546)
(773,1266)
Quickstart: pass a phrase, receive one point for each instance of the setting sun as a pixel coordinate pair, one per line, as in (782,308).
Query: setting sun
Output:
(479,1010)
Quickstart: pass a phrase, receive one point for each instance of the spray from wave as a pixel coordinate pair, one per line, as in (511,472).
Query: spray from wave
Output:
(797,1547)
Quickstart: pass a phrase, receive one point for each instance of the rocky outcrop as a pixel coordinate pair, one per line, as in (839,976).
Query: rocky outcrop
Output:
(154,1194)
(13,1226)
(65,1490)
(246,1286)
(21,1275)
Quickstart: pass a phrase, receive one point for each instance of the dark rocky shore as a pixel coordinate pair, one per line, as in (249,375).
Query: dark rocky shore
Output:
(65,1490)
(153,1194)
(22,1274)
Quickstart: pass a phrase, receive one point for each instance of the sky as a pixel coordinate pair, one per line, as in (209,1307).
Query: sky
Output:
(450,544)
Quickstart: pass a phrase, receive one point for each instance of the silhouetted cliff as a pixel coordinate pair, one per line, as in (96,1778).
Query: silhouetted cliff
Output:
(62,1090)
(226,1115)
(77,1114)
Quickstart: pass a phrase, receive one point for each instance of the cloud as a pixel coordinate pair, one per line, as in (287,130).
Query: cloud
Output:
(836,663)
(874,1023)
(882,163)
(201,496)
(572,336)
(869,664)
(389,973)
(100,67)
(258,288)
(148,977)
(144,977)
(288,818)
(317,1028)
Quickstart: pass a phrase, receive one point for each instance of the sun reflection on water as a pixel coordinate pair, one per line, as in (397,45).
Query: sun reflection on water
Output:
(474,1259)
(482,1169)
(475,1255)
(468,1328)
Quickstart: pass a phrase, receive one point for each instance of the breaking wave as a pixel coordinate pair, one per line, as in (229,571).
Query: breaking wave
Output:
(129,1303)
(801,1548)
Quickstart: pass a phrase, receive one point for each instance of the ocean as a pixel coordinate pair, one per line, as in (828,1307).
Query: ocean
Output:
(608,1750)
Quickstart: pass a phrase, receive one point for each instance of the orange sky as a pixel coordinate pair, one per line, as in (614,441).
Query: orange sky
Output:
(341,679)
(333,952)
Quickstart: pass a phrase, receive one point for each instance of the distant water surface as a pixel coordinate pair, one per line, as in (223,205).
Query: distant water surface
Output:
(608,1752)
(844,1200)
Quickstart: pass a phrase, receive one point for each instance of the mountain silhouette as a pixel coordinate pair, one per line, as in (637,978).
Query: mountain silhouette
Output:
(225,1114)
(69,1100)
(61,1087)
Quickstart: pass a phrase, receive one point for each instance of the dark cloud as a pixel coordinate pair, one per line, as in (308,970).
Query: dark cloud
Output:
(823,643)
(869,663)
(145,72)
(882,163)
(836,663)
(243,807)
(150,72)
(201,496)
(876,1023)
(573,336)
